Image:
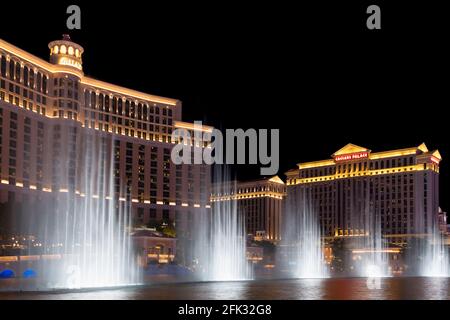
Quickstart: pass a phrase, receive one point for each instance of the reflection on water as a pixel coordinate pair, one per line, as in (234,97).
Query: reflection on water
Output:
(299,289)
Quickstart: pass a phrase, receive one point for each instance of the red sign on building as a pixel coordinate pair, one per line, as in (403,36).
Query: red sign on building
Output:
(351,156)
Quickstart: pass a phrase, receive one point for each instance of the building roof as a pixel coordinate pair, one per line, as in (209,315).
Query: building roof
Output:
(55,68)
(274,179)
(352,148)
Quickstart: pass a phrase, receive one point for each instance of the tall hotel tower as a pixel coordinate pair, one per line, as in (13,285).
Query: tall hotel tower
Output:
(400,186)
(47,108)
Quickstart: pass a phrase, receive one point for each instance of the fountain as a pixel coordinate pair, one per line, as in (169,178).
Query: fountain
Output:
(430,250)
(303,236)
(219,237)
(436,257)
(372,259)
(83,226)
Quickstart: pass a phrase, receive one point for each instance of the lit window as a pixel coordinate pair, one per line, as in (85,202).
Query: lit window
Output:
(71,51)
(56,49)
(77,53)
(63,49)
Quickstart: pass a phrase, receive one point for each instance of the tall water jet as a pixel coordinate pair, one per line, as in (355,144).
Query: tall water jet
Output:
(91,217)
(302,241)
(370,256)
(436,262)
(219,237)
(433,252)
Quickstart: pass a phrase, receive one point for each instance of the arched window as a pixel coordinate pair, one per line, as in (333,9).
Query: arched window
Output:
(31,78)
(3,66)
(93,96)
(100,101)
(145,111)
(86,99)
(25,76)
(127,108)
(38,81)
(114,105)
(44,84)
(11,69)
(140,111)
(133,109)
(17,72)
(106,103)
(119,106)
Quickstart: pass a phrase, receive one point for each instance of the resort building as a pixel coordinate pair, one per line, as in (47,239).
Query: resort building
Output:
(398,187)
(259,201)
(49,109)
(153,246)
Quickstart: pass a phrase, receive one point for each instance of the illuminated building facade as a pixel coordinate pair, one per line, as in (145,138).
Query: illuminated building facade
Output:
(47,108)
(260,201)
(401,185)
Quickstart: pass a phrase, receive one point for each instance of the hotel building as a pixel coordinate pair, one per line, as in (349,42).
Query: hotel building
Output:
(401,186)
(261,203)
(47,108)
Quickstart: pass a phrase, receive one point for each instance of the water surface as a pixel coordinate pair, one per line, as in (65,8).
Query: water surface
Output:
(299,289)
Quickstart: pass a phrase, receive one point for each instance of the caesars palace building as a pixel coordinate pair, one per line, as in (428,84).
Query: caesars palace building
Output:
(402,186)
(46,107)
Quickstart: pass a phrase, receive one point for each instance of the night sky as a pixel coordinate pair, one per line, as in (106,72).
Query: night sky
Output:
(313,71)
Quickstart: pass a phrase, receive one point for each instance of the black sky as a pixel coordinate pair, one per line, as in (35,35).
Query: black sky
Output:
(313,71)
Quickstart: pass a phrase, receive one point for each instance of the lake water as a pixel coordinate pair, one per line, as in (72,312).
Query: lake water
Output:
(298,289)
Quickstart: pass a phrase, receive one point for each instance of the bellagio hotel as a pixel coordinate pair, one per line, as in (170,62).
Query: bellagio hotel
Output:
(401,186)
(46,106)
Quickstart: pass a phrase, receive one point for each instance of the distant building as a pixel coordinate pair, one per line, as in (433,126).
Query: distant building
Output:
(154,246)
(401,186)
(442,218)
(260,201)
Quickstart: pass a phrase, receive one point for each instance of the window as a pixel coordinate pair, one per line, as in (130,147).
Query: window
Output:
(86,99)
(165,215)
(17,72)
(93,96)
(100,101)
(3,66)
(44,84)
(38,82)
(127,108)
(31,79)
(11,69)
(25,75)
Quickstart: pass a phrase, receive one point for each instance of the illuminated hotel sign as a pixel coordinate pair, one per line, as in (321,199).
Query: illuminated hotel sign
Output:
(351,156)
(70,62)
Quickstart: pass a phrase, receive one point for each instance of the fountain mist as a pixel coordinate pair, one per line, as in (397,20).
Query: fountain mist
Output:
(366,225)
(303,236)
(90,224)
(220,239)
(431,250)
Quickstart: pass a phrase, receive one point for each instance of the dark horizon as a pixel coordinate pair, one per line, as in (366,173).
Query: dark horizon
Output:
(316,74)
